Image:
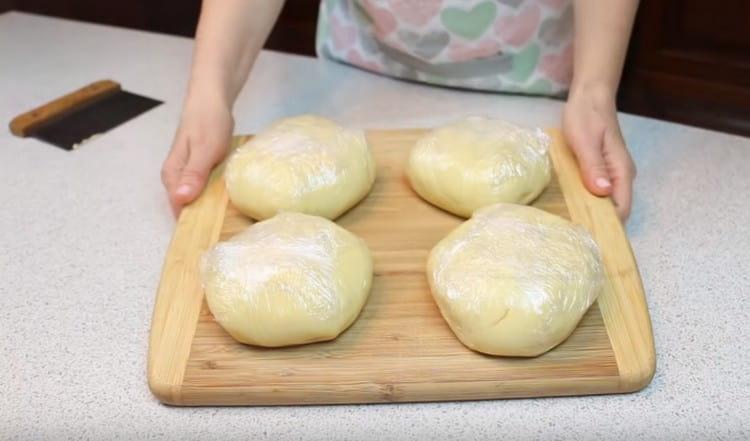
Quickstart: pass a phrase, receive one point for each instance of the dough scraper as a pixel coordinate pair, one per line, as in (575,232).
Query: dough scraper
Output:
(71,120)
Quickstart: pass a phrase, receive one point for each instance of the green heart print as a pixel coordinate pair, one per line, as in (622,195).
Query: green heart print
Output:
(524,63)
(540,87)
(472,23)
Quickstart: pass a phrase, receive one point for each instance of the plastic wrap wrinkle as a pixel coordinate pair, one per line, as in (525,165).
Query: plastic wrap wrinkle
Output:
(515,280)
(478,161)
(306,164)
(292,279)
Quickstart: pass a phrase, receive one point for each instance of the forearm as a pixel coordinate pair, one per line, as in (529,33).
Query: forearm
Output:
(602,32)
(230,35)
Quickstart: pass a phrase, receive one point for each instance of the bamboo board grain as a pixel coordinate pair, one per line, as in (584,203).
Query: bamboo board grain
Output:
(400,348)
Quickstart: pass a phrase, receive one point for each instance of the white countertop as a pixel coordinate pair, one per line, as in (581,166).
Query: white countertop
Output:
(83,235)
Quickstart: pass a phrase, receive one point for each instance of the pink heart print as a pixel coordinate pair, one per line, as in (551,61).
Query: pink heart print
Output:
(383,21)
(463,52)
(416,12)
(343,35)
(558,67)
(518,30)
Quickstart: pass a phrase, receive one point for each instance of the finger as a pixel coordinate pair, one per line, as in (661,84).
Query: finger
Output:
(173,163)
(194,175)
(622,170)
(594,171)
(172,167)
(622,196)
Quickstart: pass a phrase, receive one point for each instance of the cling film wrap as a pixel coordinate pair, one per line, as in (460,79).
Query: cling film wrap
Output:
(305,164)
(291,279)
(478,161)
(515,280)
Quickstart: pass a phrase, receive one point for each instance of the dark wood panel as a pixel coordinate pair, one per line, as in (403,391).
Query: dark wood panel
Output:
(686,39)
(167,16)
(689,62)
(687,100)
(720,29)
(295,30)
(6,5)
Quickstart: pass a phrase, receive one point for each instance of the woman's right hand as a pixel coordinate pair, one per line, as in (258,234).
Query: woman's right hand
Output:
(229,37)
(201,142)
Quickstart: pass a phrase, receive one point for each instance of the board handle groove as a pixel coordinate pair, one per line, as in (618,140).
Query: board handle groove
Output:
(24,124)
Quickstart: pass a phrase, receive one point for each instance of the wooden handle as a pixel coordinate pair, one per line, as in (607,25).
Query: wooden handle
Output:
(24,124)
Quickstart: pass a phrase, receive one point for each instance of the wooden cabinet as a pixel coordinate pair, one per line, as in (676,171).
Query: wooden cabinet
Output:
(689,62)
(295,30)
(177,17)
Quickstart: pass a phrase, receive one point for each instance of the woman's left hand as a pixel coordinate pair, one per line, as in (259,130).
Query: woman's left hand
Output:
(591,129)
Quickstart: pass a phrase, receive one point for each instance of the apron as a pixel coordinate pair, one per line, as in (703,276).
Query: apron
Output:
(518,46)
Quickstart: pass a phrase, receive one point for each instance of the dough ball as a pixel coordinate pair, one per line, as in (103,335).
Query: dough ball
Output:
(305,164)
(476,162)
(289,280)
(515,280)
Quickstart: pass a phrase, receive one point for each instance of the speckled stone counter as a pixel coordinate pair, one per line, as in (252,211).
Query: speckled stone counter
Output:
(83,234)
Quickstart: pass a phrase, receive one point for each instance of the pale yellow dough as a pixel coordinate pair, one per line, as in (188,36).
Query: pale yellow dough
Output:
(305,164)
(515,280)
(476,162)
(289,280)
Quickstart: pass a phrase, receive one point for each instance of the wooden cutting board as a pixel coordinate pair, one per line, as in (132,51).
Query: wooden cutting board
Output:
(400,348)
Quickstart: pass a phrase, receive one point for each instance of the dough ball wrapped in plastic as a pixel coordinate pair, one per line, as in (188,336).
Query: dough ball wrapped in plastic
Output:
(288,280)
(515,280)
(306,164)
(476,162)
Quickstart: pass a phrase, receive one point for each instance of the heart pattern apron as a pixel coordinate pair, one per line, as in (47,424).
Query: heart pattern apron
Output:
(520,46)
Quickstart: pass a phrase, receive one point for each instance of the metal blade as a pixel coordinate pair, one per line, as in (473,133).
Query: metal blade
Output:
(71,130)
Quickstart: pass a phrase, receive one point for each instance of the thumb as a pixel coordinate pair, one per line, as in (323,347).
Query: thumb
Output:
(593,167)
(193,176)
